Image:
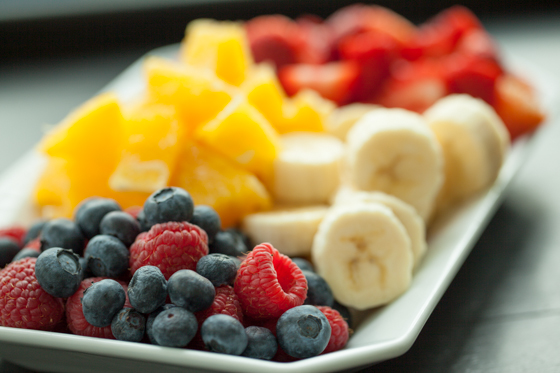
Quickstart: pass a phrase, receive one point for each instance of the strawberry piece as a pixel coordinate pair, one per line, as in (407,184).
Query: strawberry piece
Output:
(275,39)
(358,18)
(34,244)
(334,80)
(373,52)
(268,283)
(440,35)
(318,41)
(339,329)
(478,43)
(515,102)
(472,75)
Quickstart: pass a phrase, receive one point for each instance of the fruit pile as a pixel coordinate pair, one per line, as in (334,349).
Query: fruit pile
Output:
(166,275)
(370,54)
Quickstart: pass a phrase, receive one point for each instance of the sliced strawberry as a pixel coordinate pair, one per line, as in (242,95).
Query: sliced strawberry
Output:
(318,41)
(274,38)
(440,35)
(516,103)
(334,80)
(479,43)
(472,75)
(358,18)
(374,52)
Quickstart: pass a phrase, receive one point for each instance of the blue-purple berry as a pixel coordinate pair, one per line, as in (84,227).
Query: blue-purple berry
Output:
(224,334)
(147,289)
(26,253)
(303,264)
(168,204)
(220,269)
(303,331)
(101,302)
(174,327)
(228,242)
(106,256)
(152,317)
(128,325)
(261,343)
(8,249)
(58,271)
(319,292)
(91,211)
(121,225)
(190,290)
(62,233)
(208,219)
(34,231)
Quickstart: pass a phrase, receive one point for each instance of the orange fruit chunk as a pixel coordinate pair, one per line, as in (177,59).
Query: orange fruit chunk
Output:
(219,46)
(216,181)
(150,151)
(196,94)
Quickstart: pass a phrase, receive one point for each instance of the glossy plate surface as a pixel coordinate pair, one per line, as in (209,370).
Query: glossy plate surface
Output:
(381,334)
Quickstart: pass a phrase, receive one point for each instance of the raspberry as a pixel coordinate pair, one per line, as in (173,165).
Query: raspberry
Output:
(170,247)
(339,329)
(75,316)
(15,232)
(23,303)
(269,283)
(225,302)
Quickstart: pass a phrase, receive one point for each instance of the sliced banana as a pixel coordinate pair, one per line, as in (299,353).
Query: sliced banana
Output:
(307,170)
(343,118)
(412,222)
(364,254)
(289,230)
(474,141)
(394,151)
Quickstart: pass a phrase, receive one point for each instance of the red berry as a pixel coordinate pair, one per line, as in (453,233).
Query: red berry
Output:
(269,283)
(270,324)
(75,316)
(170,247)
(23,303)
(15,232)
(339,329)
(34,245)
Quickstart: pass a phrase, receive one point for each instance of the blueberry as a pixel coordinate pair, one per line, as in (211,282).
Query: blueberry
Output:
(91,211)
(147,289)
(152,317)
(319,293)
(101,302)
(303,264)
(25,253)
(190,290)
(62,233)
(224,334)
(208,219)
(8,249)
(261,344)
(220,269)
(141,219)
(168,204)
(34,231)
(85,273)
(106,256)
(303,331)
(236,260)
(344,312)
(174,327)
(242,236)
(128,325)
(228,242)
(121,225)
(58,272)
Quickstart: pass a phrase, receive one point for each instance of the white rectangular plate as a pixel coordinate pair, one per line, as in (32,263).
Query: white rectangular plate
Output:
(383,333)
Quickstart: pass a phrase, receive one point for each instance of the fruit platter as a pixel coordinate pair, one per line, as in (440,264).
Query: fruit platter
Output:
(271,195)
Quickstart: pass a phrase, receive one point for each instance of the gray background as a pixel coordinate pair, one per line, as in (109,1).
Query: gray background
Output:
(500,314)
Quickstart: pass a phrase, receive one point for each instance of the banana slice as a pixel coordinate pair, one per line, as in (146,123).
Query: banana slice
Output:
(364,254)
(307,170)
(394,151)
(474,142)
(412,222)
(343,118)
(290,231)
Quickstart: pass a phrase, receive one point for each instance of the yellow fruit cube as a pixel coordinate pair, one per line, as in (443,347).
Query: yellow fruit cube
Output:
(213,180)
(219,46)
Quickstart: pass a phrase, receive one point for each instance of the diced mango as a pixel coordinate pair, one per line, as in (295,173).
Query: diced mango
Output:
(214,180)
(219,46)
(242,134)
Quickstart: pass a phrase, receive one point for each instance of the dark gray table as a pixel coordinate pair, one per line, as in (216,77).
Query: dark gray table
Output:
(502,311)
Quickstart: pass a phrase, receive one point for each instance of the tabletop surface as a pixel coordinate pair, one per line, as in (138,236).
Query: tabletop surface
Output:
(502,311)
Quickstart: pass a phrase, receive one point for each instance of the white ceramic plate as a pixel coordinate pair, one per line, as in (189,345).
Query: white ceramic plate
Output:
(383,333)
